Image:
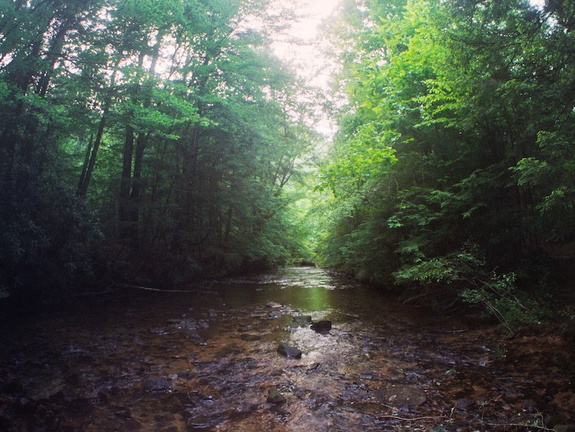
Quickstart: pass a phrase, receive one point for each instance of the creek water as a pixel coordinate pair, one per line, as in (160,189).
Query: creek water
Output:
(207,360)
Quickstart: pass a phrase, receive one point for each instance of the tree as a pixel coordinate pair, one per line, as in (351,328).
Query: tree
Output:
(171,120)
(459,96)
(46,233)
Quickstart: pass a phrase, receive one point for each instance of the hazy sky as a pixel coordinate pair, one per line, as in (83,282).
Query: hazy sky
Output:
(306,56)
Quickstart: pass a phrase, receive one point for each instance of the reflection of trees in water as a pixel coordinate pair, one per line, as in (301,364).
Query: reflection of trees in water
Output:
(178,360)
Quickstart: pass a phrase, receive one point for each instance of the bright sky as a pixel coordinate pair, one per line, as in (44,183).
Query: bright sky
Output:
(316,11)
(306,56)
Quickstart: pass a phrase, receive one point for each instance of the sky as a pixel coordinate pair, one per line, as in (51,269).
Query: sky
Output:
(307,57)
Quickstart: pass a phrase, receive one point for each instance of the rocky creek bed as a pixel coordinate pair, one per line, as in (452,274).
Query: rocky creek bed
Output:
(210,360)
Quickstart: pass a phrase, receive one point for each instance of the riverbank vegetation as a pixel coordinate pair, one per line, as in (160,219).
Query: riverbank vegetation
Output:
(453,172)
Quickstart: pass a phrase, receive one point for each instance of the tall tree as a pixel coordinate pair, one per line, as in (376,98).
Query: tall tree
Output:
(172,121)
(454,99)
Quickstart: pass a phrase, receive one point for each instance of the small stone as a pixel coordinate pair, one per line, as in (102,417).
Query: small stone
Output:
(274,315)
(185,374)
(275,397)
(190,324)
(273,305)
(178,323)
(288,351)
(366,375)
(313,368)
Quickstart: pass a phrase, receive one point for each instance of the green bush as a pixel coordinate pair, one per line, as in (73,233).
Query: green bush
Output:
(466,273)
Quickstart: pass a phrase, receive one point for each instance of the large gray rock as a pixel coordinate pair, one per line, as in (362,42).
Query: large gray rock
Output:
(301,321)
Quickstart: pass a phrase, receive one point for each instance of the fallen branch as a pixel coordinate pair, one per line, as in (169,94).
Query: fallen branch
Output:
(157,289)
(91,293)
(416,297)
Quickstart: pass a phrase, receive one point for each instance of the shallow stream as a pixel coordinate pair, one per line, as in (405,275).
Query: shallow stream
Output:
(207,360)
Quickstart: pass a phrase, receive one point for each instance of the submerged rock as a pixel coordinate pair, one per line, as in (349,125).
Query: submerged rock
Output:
(157,384)
(301,321)
(530,406)
(289,351)
(44,387)
(321,326)
(462,404)
(402,395)
(275,397)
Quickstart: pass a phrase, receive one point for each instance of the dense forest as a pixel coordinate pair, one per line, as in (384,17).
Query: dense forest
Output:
(160,141)
(143,142)
(453,172)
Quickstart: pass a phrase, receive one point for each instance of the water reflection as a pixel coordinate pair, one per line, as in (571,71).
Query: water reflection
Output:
(207,360)
(305,289)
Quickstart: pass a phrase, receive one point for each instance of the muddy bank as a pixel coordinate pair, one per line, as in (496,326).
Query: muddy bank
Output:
(208,360)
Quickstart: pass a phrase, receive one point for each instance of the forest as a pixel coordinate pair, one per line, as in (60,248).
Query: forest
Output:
(156,142)
(144,142)
(453,172)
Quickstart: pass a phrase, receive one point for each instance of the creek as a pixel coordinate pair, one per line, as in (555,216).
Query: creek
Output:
(207,360)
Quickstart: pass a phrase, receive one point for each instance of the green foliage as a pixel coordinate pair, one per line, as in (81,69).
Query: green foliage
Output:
(42,255)
(466,273)
(468,104)
(504,300)
(178,127)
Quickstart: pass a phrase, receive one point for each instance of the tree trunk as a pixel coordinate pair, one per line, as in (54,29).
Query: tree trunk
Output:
(134,199)
(125,185)
(88,168)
